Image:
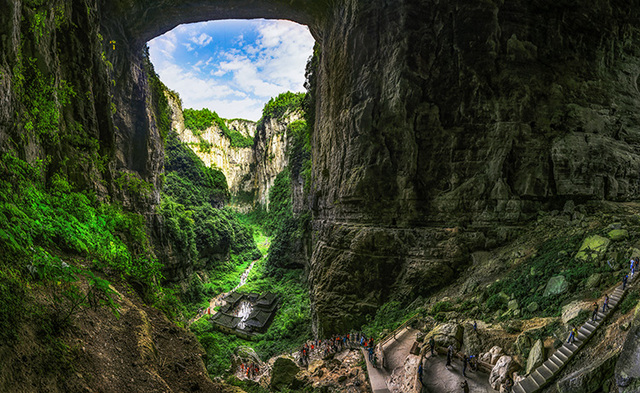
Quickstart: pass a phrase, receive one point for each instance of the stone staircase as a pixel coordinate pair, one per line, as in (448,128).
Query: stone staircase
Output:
(544,374)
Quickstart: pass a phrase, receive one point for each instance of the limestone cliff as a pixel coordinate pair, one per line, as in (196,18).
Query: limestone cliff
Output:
(270,152)
(443,126)
(214,148)
(250,171)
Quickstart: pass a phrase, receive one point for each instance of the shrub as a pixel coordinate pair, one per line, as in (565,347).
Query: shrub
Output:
(200,120)
(629,302)
(442,307)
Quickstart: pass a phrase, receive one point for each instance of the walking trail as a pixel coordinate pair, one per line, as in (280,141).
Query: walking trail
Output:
(437,378)
(395,353)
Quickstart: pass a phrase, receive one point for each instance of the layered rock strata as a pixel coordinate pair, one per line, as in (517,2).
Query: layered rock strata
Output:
(250,171)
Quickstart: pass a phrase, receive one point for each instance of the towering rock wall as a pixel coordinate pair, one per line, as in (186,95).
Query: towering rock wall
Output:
(217,152)
(441,126)
(250,171)
(270,151)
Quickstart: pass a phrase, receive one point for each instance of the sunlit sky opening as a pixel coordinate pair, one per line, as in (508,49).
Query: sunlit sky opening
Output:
(232,67)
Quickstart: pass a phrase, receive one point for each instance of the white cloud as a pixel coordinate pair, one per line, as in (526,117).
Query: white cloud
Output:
(241,72)
(163,46)
(201,40)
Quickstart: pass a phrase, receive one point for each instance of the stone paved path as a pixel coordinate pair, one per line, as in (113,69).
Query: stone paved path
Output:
(437,378)
(377,376)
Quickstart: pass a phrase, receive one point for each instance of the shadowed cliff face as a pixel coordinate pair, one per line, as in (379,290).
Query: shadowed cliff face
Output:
(440,126)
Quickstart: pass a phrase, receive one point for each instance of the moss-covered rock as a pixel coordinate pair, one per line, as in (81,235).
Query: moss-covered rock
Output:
(283,373)
(592,248)
(556,285)
(618,234)
(447,334)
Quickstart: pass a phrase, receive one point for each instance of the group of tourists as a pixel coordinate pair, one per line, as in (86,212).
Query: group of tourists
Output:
(469,362)
(335,344)
(573,334)
(249,370)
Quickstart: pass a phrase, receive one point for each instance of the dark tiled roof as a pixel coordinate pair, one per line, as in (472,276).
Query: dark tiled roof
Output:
(233,297)
(266,299)
(226,320)
(258,318)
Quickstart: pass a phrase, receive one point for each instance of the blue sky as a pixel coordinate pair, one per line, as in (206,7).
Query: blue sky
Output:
(232,67)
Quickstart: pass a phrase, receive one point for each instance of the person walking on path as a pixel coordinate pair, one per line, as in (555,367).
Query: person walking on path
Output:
(594,317)
(465,361)
(606,302)
(624,281)
(449,354)
(420,372)
(572,336)
(432,345)
(475,326)
(465,386)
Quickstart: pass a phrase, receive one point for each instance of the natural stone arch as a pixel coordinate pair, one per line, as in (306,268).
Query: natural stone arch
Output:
(143,20)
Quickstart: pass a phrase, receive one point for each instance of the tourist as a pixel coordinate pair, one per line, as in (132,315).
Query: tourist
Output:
(465,361)
(594,317)
(606,302)
(475,326)
(432,344)
(449,354)
(465,386)
(624,281)
(572,336)
(420,372)
(473,362)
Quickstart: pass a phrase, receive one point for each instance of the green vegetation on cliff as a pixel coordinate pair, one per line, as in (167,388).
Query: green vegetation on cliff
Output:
(282,104)
(198,120)
(56,245)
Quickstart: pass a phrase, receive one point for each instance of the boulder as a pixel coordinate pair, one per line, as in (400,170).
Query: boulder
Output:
(315,366)
(532,307)
(283,373)
(571,310)
(594,378)
(556,285)
(592,248)
(447,334)
(513,304)
(471,342)
(495,352)
(248,353)
(594,280)
(536,356)
(501,371)
(522,344)
(618,234)
(485,357)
